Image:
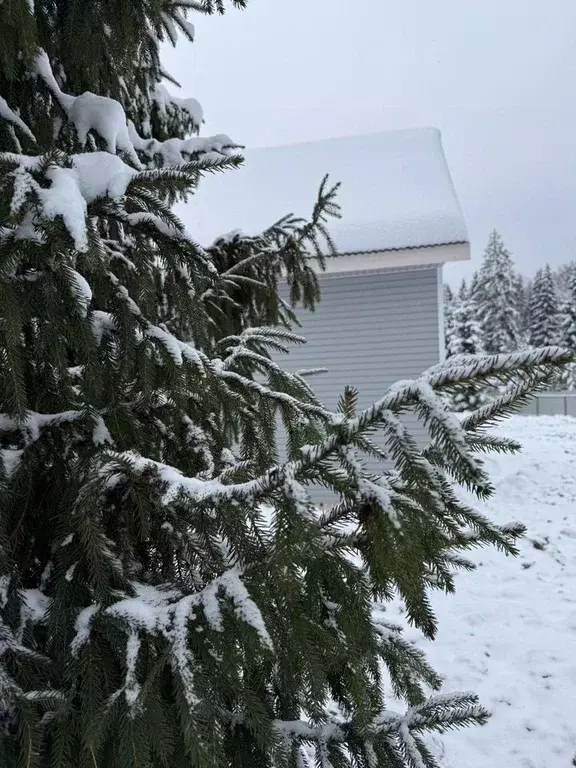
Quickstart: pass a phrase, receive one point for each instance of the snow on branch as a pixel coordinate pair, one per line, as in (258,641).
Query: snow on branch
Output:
(176,483)
(419,394)
(168,613)
(8,114)
(399,731)
(106,117)
(92,175)
(438,712)
(32,424)
(536,375)
(166,101)
(486,365)
(178,350)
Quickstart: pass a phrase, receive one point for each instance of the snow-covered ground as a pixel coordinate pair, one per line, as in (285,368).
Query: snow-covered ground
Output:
(509,633)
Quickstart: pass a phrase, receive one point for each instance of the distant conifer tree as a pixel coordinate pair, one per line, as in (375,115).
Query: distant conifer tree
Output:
(544,327)
(496,295)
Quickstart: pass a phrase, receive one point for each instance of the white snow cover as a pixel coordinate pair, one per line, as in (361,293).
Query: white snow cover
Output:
(509,632)
(93,175)
(10,459)
(102,174)
(89,111)
(8,114)
(83,290)
(64,199)
(396,192)
(105,116)
(164,99)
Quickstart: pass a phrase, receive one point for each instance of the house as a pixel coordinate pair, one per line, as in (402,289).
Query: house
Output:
(381,316)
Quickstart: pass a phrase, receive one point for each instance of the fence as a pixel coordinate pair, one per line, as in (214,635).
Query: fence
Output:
(552,404)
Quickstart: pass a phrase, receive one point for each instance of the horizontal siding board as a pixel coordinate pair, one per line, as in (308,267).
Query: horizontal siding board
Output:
(369,289)
(402,358)
(369,331)
(355,328)
(367,378)
(403,365)
(369,292)
(342,281)
(362,381)
(384,305)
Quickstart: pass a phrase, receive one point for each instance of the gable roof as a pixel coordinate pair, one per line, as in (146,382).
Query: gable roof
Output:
(396,192)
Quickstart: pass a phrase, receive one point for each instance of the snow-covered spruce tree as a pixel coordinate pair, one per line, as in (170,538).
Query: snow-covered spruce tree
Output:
(523,305)
(568,326)
(465,339)
(496,297)
(449,301)
(544,310)
(562,276)
(473,285)
(169,595)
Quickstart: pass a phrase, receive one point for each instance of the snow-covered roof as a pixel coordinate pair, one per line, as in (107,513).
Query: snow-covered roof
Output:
(396,192)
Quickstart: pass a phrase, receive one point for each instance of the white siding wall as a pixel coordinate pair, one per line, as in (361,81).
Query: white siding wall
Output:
(370,330)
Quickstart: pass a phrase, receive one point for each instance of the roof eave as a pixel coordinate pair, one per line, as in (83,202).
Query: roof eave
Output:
(427,246)
(411,256)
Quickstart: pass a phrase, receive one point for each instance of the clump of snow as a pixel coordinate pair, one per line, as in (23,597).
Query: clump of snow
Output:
(245,608)
(167,612)
(35,604)
(211,607)
(83,291)
(8,114)
(164,99)
(163,227)
(10,458)
(101,434)
(91,112)
(63,198)
(101,322)
(33,423)
(43,69)
(132,687)
(4,587)
(177,483)
(106,117)
(148,610)
(94,174)
(69,575)
(102,174)
(187,26)
(509,632)
(179,151)
(82,627)
(169,342)
(23,183)
(229,237)
(178,350)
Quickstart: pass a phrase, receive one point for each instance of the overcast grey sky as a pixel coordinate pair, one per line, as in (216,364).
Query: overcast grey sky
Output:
(498,77)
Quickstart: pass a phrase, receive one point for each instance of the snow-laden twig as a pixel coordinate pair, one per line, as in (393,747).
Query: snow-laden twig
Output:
(105,116)
(8,114)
